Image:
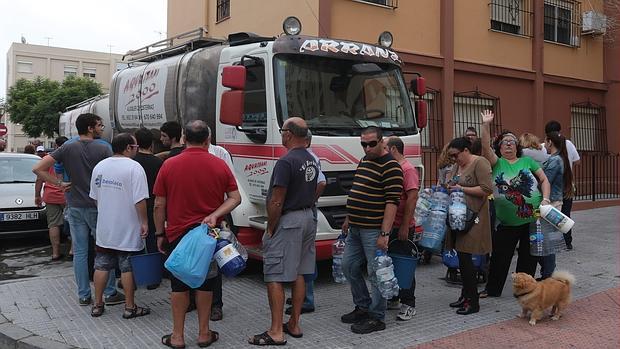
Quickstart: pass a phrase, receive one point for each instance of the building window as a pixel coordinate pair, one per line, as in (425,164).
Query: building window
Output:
(588,130)
(563,22)
(223,9)
(393,4)
(467,109)
(70,70)
(90,73)
(512,16)
(24,67)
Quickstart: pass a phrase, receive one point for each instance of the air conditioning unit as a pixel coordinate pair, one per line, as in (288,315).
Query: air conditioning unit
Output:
(593,23)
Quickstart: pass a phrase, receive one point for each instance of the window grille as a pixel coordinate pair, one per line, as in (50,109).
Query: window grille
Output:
(70,70)
(90,73)
(512,16)
(563,22)
(388,3)
(223,9)
(588,129)
(467,108)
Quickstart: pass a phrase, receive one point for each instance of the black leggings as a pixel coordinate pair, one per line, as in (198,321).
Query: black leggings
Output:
(504,242)
(468,276)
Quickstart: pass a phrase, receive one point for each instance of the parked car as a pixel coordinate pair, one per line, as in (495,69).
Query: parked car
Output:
(19,215)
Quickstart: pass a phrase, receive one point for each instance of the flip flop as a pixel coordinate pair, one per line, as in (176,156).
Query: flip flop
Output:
(285,330)
(167,341)
(264,339)
(214,337)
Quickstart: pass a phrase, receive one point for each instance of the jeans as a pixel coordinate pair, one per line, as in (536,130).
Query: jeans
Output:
(547,266)
(83,221)
(360,248)
(567,205)
(309,298)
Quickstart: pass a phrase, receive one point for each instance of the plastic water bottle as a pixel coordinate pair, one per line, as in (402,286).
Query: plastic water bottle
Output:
(228,258)
(384,275)
(337,254)
(536,239)
(423,207)
(554,216)
(457,210)
(553,239)
(434,233)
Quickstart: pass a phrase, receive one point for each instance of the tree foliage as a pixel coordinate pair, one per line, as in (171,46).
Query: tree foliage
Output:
(37,104)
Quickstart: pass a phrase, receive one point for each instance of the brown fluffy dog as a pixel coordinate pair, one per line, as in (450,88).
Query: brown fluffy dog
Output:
(535,296)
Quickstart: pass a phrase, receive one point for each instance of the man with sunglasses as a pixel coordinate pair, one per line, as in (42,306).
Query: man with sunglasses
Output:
(372,204)
(120,188)
(79,157)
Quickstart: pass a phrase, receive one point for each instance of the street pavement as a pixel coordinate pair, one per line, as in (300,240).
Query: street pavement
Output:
(45,308)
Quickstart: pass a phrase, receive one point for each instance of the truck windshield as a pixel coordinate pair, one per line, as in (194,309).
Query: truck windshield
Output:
(342,97)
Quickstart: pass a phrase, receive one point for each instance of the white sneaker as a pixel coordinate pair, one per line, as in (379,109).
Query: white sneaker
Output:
(393,305)
(406,312)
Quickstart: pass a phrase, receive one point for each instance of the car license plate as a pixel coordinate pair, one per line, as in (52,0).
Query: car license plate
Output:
(18,216)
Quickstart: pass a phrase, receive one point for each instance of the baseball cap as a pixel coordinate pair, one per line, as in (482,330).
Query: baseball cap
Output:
(40,148)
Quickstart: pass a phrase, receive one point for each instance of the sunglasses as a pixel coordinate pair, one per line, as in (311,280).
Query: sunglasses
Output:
(371,144)
(453,155)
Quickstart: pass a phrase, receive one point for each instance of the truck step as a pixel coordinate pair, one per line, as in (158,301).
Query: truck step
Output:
(258,222)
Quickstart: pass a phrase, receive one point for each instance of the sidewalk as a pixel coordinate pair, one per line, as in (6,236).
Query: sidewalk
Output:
(45,309)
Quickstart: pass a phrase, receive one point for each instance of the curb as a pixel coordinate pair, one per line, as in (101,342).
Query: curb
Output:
(13,336)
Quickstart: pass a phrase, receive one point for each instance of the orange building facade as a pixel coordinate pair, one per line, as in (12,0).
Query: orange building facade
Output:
(531,61)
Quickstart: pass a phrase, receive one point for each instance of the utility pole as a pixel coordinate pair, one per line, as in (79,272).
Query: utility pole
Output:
(48,40)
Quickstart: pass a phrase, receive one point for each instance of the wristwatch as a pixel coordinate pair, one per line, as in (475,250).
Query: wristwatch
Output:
(384,233)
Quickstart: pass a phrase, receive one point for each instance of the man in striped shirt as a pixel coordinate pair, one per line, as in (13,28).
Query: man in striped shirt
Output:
(372,204)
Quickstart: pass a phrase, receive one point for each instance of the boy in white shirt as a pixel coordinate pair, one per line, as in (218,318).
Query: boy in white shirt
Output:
(119,186)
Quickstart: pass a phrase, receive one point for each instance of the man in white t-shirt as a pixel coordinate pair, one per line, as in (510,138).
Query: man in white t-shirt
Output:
(574,159)
(120,188)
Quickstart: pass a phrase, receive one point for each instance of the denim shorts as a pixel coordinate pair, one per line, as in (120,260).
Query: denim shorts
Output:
(107,260)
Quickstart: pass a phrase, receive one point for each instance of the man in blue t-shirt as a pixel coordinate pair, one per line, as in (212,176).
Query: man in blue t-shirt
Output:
(288,242)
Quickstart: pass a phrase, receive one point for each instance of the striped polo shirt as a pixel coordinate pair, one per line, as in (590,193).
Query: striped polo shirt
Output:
(377,182)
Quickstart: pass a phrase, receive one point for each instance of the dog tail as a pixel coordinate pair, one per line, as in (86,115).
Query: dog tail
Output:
(564,276)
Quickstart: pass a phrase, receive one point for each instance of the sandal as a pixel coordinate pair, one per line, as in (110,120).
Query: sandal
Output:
(97,310)
(136,311)
(167,341)
(264,339)
(214,337)
(294,335)
(58,258)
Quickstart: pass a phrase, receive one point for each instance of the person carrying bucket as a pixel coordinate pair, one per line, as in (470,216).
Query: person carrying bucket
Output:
(403,228)
(120,188)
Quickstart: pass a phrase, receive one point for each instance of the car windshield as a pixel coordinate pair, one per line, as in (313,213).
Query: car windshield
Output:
(341,97)
(17,170)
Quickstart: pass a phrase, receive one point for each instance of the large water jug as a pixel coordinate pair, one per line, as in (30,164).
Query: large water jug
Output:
(423,207)
(228,258)
(554,216)
(536,239)
(553,239)
(457,212)
(384,275)
(435,231)
(337,254)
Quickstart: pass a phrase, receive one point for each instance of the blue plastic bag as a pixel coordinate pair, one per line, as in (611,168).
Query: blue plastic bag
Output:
(190,260)
(451,259)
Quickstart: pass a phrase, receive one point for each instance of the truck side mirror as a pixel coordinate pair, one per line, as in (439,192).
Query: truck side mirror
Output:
(234,77)
(418,86)
(421,111)
(231,107)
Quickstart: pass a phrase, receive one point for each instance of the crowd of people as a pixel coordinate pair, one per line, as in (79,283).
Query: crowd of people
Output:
(131,201)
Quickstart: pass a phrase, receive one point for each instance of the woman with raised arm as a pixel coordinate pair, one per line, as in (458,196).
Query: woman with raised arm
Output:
(516,182)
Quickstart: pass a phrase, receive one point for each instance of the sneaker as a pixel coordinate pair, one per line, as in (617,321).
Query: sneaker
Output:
(114,299)
(216,314)
(406,312)
(393,304)
(368,326)
(355,316)
(569,247)
(85,301)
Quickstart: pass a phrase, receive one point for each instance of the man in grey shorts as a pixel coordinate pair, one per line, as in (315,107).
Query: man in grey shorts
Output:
(288,243)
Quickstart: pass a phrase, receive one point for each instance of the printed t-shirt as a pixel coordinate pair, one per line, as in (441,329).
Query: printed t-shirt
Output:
(118,183)
(79,158)
(297,171)
(516,191)
(193,183)
(411,181)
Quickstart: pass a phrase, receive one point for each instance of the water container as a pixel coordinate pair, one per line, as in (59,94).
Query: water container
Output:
(384,275)
(553,239)
(554,216)
(536,239)
(146,268)
(457,212)
(435,231)
(228,258)
(337,254)
(423,207)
